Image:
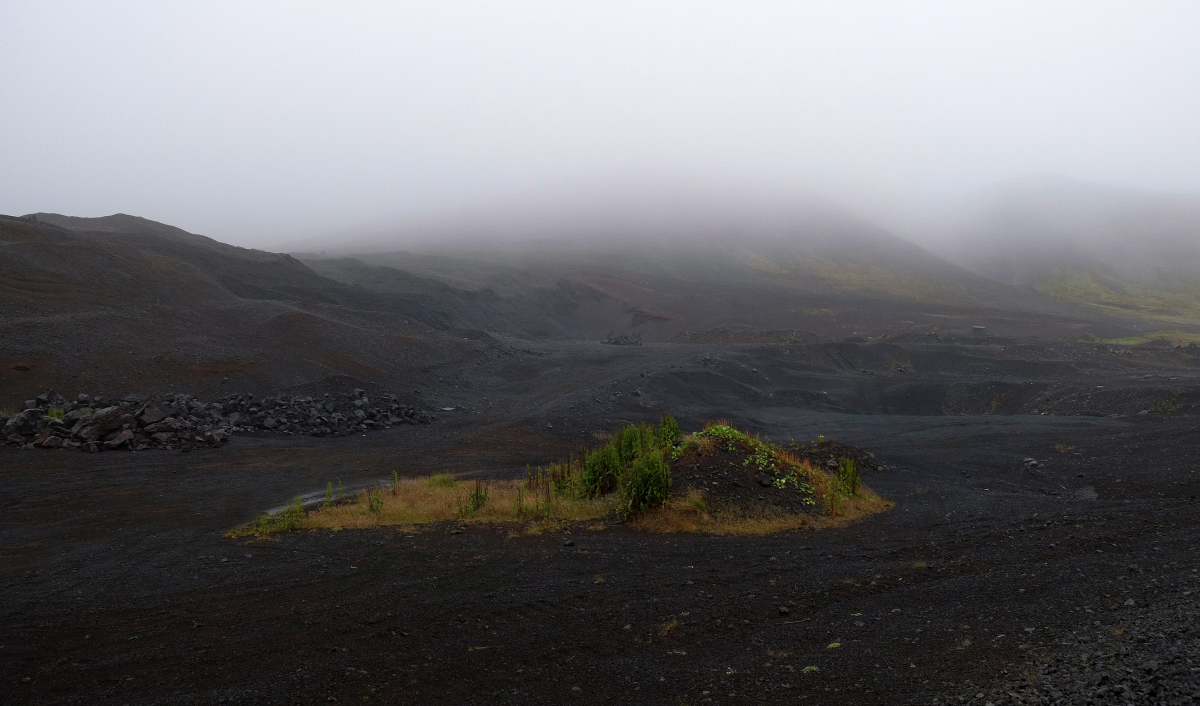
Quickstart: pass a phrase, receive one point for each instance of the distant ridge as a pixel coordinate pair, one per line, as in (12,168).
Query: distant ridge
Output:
(123,223)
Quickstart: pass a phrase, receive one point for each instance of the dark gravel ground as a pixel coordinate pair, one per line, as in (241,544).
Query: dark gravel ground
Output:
(1073,581)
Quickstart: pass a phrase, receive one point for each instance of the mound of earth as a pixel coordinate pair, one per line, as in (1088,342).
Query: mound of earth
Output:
(730,476)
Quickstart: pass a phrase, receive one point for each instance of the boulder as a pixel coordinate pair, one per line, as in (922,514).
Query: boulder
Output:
(168,424)
(150,413)
(26,421)
(163,436)
(119,439)
(102,422)
(52,442)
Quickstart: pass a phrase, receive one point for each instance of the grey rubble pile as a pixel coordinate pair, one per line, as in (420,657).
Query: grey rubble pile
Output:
(182,421)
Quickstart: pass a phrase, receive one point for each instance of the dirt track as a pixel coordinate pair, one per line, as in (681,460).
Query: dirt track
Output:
(118,586)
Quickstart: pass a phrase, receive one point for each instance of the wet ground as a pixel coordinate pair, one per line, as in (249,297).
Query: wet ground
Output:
(117,585)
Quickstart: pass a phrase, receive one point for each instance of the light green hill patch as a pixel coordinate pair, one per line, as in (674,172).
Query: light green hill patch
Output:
(1175,338)
(1180,305)
(857,278)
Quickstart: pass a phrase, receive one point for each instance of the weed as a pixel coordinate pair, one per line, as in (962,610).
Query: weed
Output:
(264,525)
(395,484)
(341,491)
(921,565)
(1064,448)
(848,477)
(810,669)
(374,500)
(328,495)
(477,498)
(648,483)
(293,515)
(666,628)
(669,430)
(56,412)
(441,480)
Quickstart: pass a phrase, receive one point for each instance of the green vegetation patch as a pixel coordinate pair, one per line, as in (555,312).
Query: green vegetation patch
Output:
(1180,304)
(627,477)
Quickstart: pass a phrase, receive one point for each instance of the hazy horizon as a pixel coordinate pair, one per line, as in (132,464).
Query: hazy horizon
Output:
(273,125)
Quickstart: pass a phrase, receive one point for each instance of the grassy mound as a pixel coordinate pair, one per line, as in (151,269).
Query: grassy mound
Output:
(726,482)
(731,482)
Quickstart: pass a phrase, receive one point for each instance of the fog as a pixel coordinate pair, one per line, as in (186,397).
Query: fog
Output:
(289,124)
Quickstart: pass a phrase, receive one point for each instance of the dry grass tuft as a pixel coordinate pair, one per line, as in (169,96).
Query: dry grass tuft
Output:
(435,499)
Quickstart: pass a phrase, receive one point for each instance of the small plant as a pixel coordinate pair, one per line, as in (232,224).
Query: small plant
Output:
(374,500)
(648,483)
(848,476)
(519,503)
(56,412)
(1064,448)
(441,480)
(395,484)
(328,495)
(341,491)
(921,565)
(669,430)
(291,517)
(476,499)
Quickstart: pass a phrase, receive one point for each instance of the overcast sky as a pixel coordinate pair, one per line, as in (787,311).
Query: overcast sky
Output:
(269,123)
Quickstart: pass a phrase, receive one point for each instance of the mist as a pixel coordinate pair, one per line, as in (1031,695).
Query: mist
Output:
(289,125)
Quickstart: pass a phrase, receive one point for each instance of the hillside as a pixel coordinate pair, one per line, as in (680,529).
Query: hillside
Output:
(1124,253)
(807,272)
(155,311)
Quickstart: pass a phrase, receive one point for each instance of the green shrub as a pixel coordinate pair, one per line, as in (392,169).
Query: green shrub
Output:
(669,430)
(633,441)
(441,480)
(848,477)
(647,483)
(56,412)
(476,499)
(601,470)
(374,500)
(291,517)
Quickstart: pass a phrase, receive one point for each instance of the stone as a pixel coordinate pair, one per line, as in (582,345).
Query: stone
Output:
(763,479)
(102,422)
(270,423)
(150,413)
(168,424)
(163,436)
(52,442)
(119,439)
